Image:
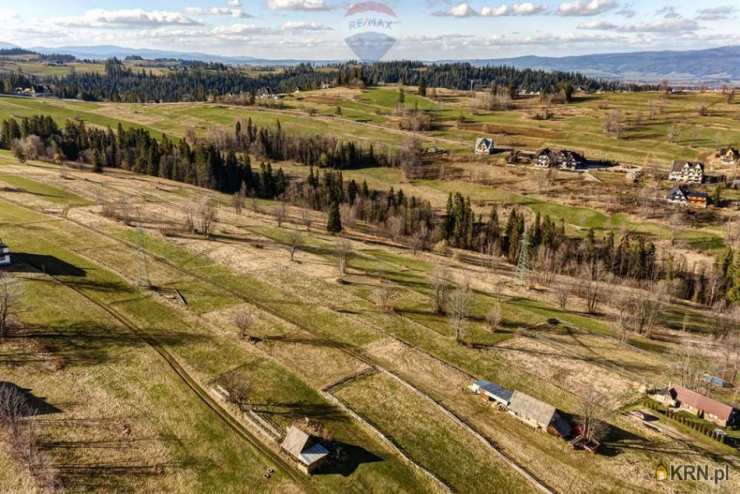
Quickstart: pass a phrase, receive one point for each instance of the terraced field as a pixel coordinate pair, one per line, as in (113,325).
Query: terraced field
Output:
(143,367)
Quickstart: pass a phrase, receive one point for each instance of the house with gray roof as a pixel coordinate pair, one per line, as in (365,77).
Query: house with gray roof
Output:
(484,145)
(538,414)
(491,392)
(306,450)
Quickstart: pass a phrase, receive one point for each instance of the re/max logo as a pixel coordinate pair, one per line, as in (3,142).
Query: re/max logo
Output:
(698,473)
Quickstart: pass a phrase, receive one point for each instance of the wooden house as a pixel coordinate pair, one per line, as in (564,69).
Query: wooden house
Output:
(538,414)
(687,171)
(306,450)
(4,255)
(707,408)
(729,156)
(545,158)
(687,197)
(570,160)
(484,146)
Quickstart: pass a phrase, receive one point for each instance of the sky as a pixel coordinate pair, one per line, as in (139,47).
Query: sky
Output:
(423,29)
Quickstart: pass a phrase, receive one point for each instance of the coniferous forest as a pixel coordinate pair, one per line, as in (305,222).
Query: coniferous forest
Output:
(201,82)
(224,165)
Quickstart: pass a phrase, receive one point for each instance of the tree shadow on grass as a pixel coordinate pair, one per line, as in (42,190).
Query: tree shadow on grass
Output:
(346,458)
(24,262)
(34,405)
(88,343)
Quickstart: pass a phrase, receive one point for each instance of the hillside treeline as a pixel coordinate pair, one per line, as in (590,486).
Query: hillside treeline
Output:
(223,164)
(201,163)
(201,82)
(462,75)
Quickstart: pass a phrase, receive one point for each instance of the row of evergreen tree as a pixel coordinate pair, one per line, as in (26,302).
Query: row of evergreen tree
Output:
(201,163)
(198,82)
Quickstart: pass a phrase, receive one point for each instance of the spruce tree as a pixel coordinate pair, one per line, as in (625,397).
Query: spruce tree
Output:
(522,266)
(334,222)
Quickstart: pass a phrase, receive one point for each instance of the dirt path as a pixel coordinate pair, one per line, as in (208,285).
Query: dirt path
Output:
(194,386)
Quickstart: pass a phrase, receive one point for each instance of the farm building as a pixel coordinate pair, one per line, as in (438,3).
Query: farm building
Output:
(545,158)
(4,255)
(728,156)
(491,392)
(702,406)
(687,171)
(685,196)
(538,414)
(717,381)
(484,145)
(569,160)
(306,450)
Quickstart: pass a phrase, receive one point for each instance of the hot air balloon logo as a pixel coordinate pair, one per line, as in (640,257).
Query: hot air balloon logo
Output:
(370,28)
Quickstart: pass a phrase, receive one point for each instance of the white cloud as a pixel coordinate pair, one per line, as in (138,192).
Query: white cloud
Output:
(460,10)
(527,8)
(216,11)
(304,26)
(298,5)
(586,7)
(234,3)
(662,26)
(466,10)
(668,12)
(717,13)
(495,11)
(8,15)
(627,10)
(132,18)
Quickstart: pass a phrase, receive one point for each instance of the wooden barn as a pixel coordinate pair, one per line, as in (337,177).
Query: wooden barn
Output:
(538,414)
(306,450)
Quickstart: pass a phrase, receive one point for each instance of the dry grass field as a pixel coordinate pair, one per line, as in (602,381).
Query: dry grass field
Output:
(127,330)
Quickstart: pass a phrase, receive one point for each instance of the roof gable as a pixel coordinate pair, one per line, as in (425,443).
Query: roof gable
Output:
(701,402)
(529,407)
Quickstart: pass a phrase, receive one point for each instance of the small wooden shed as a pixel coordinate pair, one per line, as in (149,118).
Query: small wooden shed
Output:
(308,451)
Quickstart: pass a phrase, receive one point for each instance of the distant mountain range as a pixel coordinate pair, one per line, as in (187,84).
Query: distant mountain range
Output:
(714,66)
(711,65)
(109,51)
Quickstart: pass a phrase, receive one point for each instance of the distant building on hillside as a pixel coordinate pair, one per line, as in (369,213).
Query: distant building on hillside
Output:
(4,255)
(685,196)
(538,414)
(545,158)
(728,156)
(569,160)
(484,145)
(687,171)
(707,408)
(305,449)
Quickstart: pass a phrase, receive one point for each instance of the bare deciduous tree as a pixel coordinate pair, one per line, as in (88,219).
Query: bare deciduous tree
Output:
(238,389)
(592,275)
(13,406)
(458,310)
(243,321)
(592,418)
(494,317)
(281,213)
(207,216)
(343,250)
(238,200)
(385,297)
(296,241)
(306,218)
(563,293)
(441,287)
(9,295)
